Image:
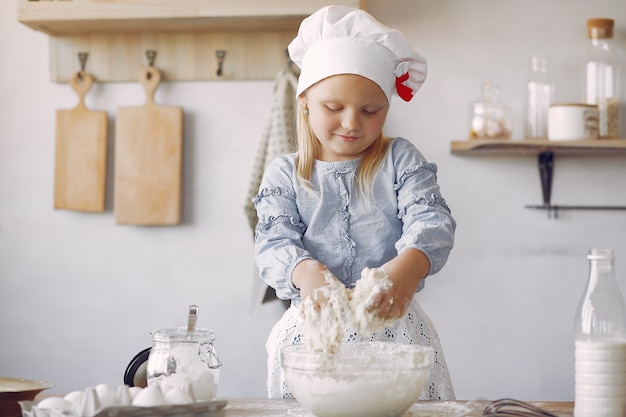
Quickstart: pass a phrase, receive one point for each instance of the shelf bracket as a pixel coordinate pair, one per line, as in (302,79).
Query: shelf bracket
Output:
(546,172)
(545,162)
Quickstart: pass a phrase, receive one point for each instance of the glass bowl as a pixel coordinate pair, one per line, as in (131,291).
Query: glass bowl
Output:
(364,379)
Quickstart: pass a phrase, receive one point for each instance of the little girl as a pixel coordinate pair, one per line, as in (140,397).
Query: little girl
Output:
(351,198)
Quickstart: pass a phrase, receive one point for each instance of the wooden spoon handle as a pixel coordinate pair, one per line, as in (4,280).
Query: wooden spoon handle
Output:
(150,78)
(81,83)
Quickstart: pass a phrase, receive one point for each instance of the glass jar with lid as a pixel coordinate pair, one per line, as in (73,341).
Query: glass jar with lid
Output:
(490,119)
(185,360)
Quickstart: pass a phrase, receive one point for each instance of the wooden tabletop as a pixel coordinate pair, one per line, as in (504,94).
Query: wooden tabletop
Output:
(253,407)
(266,407)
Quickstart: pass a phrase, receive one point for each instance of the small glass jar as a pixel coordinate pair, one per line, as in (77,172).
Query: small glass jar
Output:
(490,119)
(188,362)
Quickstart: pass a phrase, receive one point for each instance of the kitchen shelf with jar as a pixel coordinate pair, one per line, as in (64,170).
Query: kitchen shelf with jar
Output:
(246,39)
(544,150)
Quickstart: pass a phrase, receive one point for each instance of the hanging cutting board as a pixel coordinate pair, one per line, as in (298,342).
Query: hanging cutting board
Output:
(148,159)
(80,155)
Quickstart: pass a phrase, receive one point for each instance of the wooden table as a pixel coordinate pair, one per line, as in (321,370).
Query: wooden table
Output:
(253,407)
(266,407)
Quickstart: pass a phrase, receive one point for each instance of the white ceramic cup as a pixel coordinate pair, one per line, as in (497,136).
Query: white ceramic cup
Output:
(573,121)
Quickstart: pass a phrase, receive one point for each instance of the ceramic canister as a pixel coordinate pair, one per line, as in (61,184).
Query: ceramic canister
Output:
(574,121)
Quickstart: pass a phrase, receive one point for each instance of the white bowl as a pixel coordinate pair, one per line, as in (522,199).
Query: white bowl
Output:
(364,379)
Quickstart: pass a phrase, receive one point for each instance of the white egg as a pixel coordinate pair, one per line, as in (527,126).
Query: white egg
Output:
(178,396)
(134,391)
(150,396)
(54,403)
(165,387)
(74,397)
(203,388)
(173,381)
(106,395)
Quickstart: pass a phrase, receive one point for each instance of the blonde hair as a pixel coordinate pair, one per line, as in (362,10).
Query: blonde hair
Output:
(309,149)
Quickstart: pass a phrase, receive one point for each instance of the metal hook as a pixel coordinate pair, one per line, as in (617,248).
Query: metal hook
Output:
(151,55)
(220,54)
(82,58)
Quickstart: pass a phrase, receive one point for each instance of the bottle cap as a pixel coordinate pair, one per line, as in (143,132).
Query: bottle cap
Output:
(600,28)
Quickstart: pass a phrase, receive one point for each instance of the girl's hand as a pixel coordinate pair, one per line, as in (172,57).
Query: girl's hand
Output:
(405,273)
(308,277)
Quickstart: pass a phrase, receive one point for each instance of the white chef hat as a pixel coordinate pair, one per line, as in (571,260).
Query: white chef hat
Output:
(342,40)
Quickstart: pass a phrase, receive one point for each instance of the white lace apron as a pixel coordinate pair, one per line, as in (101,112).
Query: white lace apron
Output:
(414,328)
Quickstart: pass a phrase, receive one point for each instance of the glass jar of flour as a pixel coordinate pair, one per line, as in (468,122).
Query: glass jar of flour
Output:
(187,361)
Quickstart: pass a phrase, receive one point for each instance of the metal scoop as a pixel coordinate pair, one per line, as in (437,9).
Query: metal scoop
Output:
(191,320)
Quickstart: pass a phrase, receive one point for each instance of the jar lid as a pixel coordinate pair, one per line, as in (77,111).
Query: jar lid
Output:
(179,335)
(600,28)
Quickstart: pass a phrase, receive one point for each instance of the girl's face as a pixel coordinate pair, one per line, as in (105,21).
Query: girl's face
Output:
(347,113)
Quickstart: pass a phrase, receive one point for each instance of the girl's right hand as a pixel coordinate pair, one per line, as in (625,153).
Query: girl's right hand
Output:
(308,277)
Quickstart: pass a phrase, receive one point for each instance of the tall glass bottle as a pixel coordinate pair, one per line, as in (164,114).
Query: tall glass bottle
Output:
(600,345)
(539,96)
(602,83)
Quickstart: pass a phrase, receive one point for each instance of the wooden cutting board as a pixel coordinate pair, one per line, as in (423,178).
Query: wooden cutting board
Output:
(148,159)
(81,152)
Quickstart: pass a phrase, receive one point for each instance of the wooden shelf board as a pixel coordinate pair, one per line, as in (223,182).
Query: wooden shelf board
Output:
(181,56)
(66,17)
(535,146)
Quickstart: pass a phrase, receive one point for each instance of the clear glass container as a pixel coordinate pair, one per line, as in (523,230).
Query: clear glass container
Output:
(602,76)
(539,97)
(490,119)
(600,342)
(188,362)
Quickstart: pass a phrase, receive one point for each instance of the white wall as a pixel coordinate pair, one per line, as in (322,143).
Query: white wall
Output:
(79,295)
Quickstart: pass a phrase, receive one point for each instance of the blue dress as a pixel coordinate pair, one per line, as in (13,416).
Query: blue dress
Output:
(332,223)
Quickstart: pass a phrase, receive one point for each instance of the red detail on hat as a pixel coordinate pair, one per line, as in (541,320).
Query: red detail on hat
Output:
(405,92)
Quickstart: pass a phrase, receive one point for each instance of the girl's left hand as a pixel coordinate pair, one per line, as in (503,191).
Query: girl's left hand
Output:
(393,302)
(405,273)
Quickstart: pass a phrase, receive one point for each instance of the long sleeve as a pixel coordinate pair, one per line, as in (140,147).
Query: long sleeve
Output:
(427,223)
(278,241)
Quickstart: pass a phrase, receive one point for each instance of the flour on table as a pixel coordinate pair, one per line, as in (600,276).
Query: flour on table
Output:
(346,308)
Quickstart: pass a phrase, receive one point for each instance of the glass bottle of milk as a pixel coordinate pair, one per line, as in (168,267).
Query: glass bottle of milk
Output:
(603,77)
(600,345)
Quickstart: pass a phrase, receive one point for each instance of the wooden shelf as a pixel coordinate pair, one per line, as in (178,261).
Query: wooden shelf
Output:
(535,147)
(67,17)
(186,34)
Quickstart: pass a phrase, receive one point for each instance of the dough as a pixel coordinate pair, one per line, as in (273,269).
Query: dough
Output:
(345,309)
